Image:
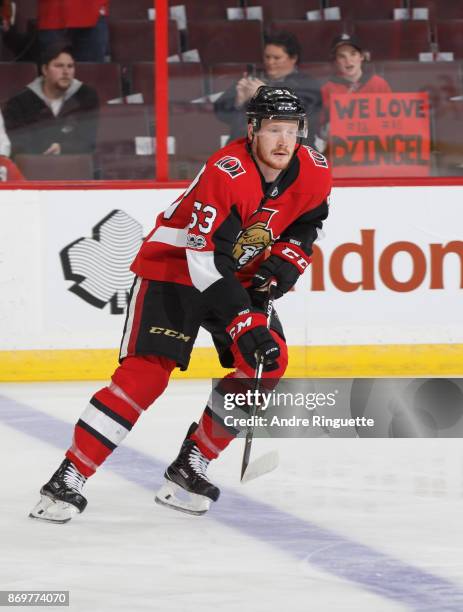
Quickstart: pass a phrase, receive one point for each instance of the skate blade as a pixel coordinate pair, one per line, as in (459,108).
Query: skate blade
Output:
(173,496)
(53,511)
(262,465)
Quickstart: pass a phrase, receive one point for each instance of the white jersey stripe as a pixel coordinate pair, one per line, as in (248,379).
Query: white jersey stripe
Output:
(103,424)
(202,269)
(170,235)
(130,316)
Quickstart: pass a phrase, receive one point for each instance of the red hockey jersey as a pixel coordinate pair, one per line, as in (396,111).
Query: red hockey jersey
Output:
(9,171)
(62,14)
(217,233)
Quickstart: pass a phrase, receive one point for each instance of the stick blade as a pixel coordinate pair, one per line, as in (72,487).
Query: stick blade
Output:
(262,465)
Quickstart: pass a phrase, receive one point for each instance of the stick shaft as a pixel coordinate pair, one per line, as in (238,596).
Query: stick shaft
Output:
(254,407)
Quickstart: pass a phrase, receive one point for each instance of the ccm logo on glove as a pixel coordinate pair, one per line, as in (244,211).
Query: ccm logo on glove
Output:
(293,254)
(251,336)
(245,321)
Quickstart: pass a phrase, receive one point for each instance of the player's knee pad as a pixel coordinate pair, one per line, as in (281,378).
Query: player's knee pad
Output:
(143,378)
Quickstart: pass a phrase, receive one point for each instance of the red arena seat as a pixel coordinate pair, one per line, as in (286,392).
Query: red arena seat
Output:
(274,10)
(14,77)
(442,80)
(315,37)
(56,167)
(394,40)
(185,81)
(226,41)
(105,78)
(440,9)
(120,125)
(134,9)
(133,41)
(366,9)
(450,37)
(223,76)
(201,10)
(118,167)
(197,134)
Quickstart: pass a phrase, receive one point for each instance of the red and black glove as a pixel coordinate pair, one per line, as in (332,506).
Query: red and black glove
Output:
(285,264)
(249,332)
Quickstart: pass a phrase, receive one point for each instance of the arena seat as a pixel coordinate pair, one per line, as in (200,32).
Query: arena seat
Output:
(448,144)
(315,36)
(449,35)
(197,134)
(277,9)
(202,10)
(26,11)
(366,9)
(120,124)
(223,76)
(134,9)
(133,41)
(14,77)
(394,40)
(105,78)
(442,80)
(114,167)
(56,167)
(320,71)
(186,81)
(226,41)
(440,9)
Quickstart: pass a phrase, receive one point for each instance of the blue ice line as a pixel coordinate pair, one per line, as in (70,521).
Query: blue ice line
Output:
(304,541)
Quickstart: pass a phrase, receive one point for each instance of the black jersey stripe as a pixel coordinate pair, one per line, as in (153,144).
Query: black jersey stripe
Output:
(96,434)
(111,414)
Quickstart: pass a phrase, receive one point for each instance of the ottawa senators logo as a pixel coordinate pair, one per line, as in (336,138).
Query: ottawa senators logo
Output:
(254,239)
(230,165)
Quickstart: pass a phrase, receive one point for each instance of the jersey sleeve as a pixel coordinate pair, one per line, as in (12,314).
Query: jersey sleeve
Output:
(216,221)
(305,229)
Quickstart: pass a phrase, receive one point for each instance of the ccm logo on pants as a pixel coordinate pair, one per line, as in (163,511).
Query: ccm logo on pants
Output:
(172,333)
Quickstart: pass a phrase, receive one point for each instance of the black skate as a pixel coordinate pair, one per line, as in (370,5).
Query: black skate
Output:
(61,496)
(187,487)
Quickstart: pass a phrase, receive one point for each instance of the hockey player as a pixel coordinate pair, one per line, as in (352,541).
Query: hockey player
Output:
(250,216)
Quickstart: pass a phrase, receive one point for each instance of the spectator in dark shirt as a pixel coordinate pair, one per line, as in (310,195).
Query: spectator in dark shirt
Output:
(281,57)
(55,113)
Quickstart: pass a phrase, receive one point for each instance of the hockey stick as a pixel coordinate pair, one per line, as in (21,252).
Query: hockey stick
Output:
(269,461)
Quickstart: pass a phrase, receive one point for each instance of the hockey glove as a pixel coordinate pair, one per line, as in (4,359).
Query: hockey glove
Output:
(249,332)
(286,263)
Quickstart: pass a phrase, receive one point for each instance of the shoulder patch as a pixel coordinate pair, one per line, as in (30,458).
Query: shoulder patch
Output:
(317,158)
(230,165)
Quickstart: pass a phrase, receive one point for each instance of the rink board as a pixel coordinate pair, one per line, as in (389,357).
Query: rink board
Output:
(383,295)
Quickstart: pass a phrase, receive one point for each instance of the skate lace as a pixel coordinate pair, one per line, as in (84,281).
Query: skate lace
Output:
(74,479)
(198,462)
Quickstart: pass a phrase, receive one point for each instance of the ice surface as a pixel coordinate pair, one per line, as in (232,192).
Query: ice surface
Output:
(342,525)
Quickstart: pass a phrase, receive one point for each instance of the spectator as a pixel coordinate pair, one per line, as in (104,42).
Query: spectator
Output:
(55,113)
(351,76)
(281,57)
(5,144)
(6,12)
(80,23)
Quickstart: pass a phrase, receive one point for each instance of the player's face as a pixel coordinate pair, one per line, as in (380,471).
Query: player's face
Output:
(60,72)
(349,62)
(274,143)
(277,62)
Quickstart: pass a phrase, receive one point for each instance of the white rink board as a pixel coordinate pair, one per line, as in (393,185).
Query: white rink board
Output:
(37,310)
